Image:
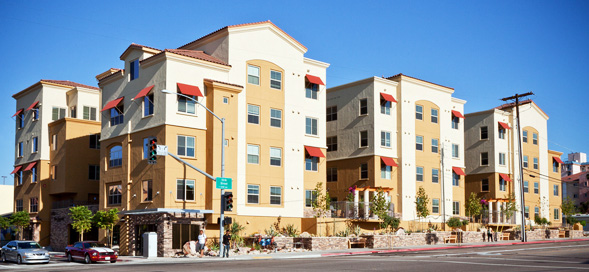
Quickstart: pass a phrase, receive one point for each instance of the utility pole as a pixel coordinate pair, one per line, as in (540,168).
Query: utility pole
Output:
(521,167)
(442,174)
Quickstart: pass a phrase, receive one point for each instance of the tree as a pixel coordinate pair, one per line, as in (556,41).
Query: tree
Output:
(473,206)
(567,207)
(81,219)
(510,208)
(106,220)
(20,220)
(421,203)
(379,205)
(322,201)
(4,223)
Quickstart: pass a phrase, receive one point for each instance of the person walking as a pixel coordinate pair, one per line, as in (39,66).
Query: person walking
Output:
(490,235)
(202,240)
(226,244)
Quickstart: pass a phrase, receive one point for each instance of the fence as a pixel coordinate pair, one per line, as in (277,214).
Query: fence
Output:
(353,210)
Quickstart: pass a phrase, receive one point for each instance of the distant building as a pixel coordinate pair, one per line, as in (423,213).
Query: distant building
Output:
(6,199)
(576,188)
(577,162)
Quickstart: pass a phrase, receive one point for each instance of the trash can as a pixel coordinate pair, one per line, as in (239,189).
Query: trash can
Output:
(150,245)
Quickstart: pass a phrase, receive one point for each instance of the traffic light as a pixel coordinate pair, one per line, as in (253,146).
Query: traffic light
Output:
(152,158)
(228,201)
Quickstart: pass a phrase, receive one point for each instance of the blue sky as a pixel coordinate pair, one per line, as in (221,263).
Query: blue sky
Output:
(485,50)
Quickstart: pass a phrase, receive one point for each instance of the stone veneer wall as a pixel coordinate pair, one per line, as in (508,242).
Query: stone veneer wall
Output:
(60,221)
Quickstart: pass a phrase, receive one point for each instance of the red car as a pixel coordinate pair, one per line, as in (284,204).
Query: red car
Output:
(90,252)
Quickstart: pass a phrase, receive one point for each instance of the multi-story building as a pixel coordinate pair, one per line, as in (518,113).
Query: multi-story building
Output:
(56,127)
(398,133)
(272,98)
(576,188)
(492,162)
(577,162)
(6,199)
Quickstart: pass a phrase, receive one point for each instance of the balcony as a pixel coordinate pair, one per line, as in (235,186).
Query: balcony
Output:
(497,218)
(356,210)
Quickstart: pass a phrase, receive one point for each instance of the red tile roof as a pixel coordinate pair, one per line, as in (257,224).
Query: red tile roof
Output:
(574,176)
(400,74)
(68,83)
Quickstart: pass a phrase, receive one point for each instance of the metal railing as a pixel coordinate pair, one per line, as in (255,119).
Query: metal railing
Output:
(352,210)
(497,217)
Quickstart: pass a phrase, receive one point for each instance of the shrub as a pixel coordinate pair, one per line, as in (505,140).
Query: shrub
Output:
(454,222)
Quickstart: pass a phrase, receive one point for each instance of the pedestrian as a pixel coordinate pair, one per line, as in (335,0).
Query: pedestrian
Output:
(484,235)
(489,235)
(226,244)
(202,240)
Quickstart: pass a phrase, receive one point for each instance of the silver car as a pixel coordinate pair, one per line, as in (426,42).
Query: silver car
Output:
(24,252)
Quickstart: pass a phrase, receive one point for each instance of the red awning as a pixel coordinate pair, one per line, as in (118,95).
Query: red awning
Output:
(143,92)
(314,151)
(189,89)
(504,177)
(557,159)
(458,171)
(504,125)
(32,105)
(30,166)
(388,97)
(16,169)
(113,103)
(457,114)
(315,80)
(18,112)
(388,161)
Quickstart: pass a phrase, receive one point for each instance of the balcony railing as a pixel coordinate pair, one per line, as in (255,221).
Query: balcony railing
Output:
(497,217)
(352,210)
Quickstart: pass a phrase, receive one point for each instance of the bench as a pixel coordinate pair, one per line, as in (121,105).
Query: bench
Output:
(451,239)
(358,241)
(562,234)
(504,236)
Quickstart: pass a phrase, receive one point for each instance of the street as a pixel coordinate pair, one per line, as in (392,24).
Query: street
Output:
(565,256)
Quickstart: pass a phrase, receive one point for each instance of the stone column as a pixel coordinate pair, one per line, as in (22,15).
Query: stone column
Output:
(356,201)
(504,206)
(366,203)
(490,212)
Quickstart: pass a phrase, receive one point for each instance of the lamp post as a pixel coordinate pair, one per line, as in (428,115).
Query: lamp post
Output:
(221,216)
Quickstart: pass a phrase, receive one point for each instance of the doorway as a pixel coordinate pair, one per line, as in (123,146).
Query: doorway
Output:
(139,231)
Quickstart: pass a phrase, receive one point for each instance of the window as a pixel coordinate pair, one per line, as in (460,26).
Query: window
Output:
(253,194)
(435,175)
(456,208)
(19,207)
(253,154)
(435,205)
(95,141)
(34,204)
(555,190)
(501,133)
(331,113)
(34,174)
(484,185)
(275,195)
(455,179)
(364,138)
(275,156)
(526,186)
(455,122)
(535,163)
(527,212)
(310,198)
(484,158)
(35,145)
(146,190)
(116,156)
(555,166)
(419,173)
(536,212)
(253,114)
(363,106)
(535,138)
(556,214)
(275,80)
(434,145)
(455,153)
(331,174)
(19,177)
(385,106)
(116,115)
(332,143)
(35,112)
(364,171)
(148,105)
(89,113)
(418,112)
(134,69)
(434,116)
(94,172)
(20,122)
(275,118)
(536,188)
(57,113)
(484,133)
(253,75)
(525,136)
(311,163)
(419,143)
(502,185)
(54,142)
(114,194)
(185,189)
(186,146)
(20,149)
(225,100)
(73,112)
(311,126)
(525,161)
(501,158)
(186,105)
(311,90)
(385,139)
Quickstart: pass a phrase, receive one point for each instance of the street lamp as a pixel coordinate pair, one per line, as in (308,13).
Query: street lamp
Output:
(221,216)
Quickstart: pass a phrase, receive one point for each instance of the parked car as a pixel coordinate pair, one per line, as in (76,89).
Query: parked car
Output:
(90,252)
(24,252)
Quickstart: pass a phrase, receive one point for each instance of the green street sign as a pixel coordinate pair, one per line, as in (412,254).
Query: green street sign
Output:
(224,183)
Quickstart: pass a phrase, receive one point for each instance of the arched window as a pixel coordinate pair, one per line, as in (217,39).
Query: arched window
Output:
(116,156)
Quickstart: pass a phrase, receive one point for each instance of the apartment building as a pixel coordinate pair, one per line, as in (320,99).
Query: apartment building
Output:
(577,162)
(56,125)
(492,162)
(399,134)
(272,98)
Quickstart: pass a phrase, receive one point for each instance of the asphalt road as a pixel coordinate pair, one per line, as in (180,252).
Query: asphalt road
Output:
(572,256)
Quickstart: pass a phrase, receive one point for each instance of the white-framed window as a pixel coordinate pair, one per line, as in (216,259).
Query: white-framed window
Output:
(385,171)
(455,151)
(116,115)
(535,160)
(555,190)
(435,175)
(535,138)
(275,80)
(502,185)
(419,173)
(501,133)
(253,154)
(455,179)
(311,127)
(20,120)
(253,114)
(332,143)
(311,90)
(385,106)
(364,138)
(501,158)
(311,163)
(525,161)
(419,112)
(73,112)
(536,188)
(434,116)
(114,194)
(525,136)
(34,177)
(275,195)
(419,143)
(456,208)
(57,113)
(527,211)
(253,75)
(364,171)
(186,105)
(331,174)
(186,146)
(275,118)
(556,214)
(484,133)
(19,205)
(115,156)
(435,205)
(385,139)
(310,198)
(435,145)
(253,194)
(35,112)
(526,186)
(148,101)
(555,166)
(275,156)
(363,106)
(184,190)
(484,158)
(33,204)
(455,122)
(19,177)
(89,113)
(331,113)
